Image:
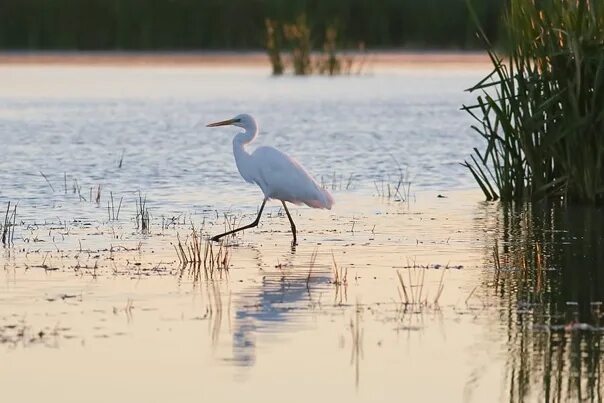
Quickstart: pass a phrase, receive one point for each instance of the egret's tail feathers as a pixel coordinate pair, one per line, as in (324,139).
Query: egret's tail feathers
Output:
(329,201)
(324,201)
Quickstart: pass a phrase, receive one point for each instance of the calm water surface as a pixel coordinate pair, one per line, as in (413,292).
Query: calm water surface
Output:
(493,303)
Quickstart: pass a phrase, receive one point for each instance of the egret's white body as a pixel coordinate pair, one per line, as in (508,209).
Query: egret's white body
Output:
(279,176)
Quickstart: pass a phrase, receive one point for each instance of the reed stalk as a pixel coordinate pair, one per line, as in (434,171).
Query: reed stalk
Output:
(541,109)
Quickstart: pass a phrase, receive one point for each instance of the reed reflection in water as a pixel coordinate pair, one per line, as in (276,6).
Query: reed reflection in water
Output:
(548,283)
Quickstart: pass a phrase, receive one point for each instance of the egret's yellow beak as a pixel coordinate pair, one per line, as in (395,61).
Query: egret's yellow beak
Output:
(223,123)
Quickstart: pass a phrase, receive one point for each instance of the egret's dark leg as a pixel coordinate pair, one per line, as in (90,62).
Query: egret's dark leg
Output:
(255,223)
(291,221)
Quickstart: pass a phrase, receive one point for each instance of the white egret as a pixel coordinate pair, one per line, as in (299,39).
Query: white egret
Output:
(279,176)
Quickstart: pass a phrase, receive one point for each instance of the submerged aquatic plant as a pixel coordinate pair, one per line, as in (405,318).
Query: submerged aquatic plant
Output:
(541,111)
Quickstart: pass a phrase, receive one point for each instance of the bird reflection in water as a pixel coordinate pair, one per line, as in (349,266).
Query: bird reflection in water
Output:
(282,296)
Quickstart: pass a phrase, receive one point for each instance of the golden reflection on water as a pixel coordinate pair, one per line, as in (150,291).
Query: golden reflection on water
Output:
(287,324)
(549,288)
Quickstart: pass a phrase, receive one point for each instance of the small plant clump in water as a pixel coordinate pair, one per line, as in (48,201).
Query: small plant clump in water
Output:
(111,211)
(192,254)
(397,188)
(273,47)
(298,38)
(298,35)
(541,112)
(412,293)
(331,64)
(142,214)
(7,229)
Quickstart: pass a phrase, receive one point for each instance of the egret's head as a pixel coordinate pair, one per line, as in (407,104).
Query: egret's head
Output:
(244,121)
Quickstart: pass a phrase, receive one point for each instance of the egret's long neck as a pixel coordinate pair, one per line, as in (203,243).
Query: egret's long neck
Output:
(250,133)
(242,156)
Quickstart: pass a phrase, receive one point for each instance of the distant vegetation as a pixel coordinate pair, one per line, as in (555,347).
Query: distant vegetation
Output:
(541,110)
(238,24)
(295,39)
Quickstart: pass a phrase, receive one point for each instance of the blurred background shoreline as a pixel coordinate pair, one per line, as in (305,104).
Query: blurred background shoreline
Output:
(392,58)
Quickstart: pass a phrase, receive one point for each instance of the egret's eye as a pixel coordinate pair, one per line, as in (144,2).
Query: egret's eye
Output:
(237,120)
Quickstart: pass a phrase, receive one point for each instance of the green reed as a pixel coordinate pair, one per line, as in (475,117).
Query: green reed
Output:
(541,109)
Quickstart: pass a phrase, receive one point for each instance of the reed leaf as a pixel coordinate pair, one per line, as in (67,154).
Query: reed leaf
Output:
(541,110)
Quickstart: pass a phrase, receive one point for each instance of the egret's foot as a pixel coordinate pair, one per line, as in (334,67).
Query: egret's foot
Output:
(215,238)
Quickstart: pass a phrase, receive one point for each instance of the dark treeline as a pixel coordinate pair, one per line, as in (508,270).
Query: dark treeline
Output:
(237,24)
